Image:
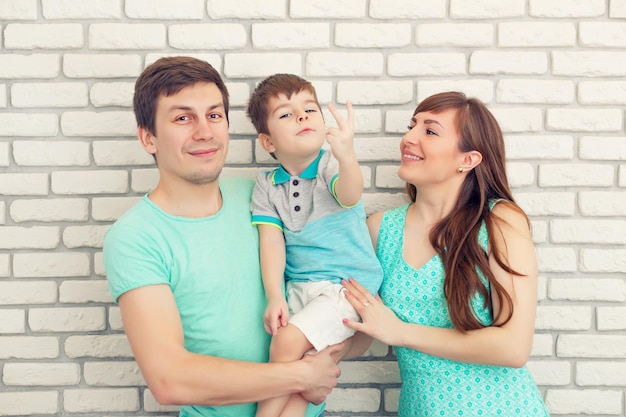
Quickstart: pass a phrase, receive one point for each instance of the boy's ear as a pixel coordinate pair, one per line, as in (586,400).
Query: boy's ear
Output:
(266,142)
(146,140)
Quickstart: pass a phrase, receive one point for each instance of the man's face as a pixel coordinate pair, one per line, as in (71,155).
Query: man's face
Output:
(190,141)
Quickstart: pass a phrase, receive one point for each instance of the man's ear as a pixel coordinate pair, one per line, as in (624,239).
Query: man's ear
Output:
(146,139)
(471,160)
(266,142)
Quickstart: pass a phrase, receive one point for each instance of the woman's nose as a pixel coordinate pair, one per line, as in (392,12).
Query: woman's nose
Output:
(409,137)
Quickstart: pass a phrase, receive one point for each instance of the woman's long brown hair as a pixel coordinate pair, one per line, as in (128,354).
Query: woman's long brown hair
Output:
(455,237)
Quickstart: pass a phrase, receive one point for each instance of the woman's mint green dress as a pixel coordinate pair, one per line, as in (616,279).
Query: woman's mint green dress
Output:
(432,386)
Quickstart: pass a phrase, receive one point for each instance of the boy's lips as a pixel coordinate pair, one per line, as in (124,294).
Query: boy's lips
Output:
(305,130)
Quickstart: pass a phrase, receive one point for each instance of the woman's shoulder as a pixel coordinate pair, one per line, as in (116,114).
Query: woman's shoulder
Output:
(383,219)
(509,215)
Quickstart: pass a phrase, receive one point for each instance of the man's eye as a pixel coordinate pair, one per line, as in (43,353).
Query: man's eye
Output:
(215,116)
(182,118)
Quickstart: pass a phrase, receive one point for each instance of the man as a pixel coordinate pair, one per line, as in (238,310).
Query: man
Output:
(183,263)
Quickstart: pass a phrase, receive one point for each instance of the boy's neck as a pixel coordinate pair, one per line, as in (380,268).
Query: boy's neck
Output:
(297,167)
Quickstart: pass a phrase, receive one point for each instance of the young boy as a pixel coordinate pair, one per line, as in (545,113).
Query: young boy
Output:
(311,224)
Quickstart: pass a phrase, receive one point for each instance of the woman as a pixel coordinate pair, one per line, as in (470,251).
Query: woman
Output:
(460,273)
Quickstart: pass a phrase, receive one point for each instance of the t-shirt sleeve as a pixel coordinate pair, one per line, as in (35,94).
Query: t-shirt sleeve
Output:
(263,210)
(132,260)
(328,169)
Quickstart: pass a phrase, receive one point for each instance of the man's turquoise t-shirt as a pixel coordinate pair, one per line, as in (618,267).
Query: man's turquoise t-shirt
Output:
(211,265)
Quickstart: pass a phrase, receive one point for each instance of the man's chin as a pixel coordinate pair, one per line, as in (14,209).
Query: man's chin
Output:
(204,179)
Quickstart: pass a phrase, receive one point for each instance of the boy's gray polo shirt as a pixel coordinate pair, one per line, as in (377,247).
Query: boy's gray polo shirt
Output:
(323,240)
(293,201)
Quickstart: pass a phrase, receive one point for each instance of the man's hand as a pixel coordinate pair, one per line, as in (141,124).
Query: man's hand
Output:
(322,371)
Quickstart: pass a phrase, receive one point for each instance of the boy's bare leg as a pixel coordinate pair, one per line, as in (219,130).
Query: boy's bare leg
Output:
(288,345)
(296,406)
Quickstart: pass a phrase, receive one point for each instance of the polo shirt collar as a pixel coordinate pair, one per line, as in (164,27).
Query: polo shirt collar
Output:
(281,175)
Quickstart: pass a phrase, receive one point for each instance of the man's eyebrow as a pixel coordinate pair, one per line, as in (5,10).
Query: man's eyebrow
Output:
(187,108)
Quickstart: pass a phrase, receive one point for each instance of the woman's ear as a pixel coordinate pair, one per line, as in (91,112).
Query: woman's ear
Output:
(147,140)
(471,160)
(266,142)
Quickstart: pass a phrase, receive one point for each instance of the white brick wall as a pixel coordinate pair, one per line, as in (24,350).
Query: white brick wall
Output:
(551,71)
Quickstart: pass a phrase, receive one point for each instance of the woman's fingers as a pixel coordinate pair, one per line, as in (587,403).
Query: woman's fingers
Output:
(357,293)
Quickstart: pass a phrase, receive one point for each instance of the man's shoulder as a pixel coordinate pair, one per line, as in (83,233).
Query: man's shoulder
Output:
(135,218)
(237,192)
(237,185)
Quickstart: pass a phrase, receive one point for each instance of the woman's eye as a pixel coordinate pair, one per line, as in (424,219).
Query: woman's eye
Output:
(430,132)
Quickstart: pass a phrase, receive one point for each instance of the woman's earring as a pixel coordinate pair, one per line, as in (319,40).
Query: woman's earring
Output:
(460,170)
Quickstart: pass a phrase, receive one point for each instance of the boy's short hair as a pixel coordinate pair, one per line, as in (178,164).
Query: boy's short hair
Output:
(272,86)
(167,76)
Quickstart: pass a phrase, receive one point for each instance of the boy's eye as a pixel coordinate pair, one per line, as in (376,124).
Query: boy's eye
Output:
(310,110)
(282,116)
(409,127)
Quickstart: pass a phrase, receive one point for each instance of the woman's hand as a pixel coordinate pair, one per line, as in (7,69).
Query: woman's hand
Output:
(378,320)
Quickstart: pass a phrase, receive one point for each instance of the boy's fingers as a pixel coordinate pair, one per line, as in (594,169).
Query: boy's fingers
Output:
(350,113)
(336,115)
(341,122)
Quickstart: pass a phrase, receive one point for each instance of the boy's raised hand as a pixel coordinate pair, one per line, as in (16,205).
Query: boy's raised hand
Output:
(341,138)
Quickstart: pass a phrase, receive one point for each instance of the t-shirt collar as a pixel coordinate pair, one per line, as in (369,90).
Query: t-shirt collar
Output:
(281,175)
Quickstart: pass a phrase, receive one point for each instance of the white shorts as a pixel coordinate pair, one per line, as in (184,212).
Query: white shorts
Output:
(317,309)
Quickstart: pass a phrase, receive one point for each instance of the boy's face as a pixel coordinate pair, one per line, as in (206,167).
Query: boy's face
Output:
(191,135)
(296,128)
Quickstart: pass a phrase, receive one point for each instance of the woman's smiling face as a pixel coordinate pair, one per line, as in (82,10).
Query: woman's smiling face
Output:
(430,149)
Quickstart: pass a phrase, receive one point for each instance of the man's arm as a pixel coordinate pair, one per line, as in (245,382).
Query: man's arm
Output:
(177,376)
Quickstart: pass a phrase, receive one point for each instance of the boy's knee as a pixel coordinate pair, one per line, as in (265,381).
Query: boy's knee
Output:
(285,345)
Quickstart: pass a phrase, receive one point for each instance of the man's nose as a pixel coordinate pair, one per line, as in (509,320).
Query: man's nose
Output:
(203,130)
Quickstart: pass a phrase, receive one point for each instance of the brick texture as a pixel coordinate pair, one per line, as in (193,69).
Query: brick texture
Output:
(550,70)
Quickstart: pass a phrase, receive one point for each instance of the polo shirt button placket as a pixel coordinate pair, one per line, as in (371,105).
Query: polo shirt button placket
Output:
(296,194)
